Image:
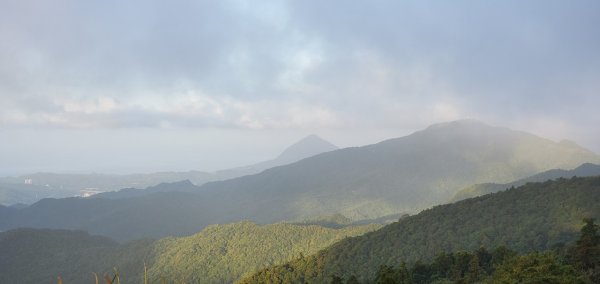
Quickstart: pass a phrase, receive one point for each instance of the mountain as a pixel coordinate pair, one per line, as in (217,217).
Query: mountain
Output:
(398,175)
(224,253)
(13,193)
(584,170)
(218,254)
(402,175)
(31,188)
(185,185)
(40,256)
(534,217)
(307,147)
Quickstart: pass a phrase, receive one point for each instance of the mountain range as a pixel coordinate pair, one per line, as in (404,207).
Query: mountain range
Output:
(584,170)
(404,174)
(31,188)
(533,217)
(401,175)
(218,254)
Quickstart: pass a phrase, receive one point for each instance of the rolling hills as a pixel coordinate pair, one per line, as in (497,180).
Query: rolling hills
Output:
(218,254)
(533,217)
(584,170)
(402,175)
(405,174)
(53,185)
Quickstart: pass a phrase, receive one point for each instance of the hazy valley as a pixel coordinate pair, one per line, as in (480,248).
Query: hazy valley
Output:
(299,142)
(324,198)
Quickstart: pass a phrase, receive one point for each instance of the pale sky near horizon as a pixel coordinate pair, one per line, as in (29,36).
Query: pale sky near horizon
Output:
(138,86)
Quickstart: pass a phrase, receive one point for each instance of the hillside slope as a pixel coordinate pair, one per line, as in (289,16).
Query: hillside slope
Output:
(306,147)
(53,185)
(218,254)
(40,256)
(224,253)
(402,175)
(533,217)
(584,170)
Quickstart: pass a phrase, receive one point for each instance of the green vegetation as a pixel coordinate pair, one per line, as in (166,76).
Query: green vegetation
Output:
(534,217)
(402,175)
(574,264)
(218,254)
(40,256)
(498,266)
(223,253)
(584,170)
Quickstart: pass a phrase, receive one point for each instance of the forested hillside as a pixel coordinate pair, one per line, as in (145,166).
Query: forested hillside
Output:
(218,254)
(536,216)
(584,170)
(574,263)
(54,185)
(223,253)
(40,256)
(396,176)
(401,175)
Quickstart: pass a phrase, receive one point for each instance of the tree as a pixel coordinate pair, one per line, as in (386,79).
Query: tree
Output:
(587,251)
(420,273)
(336,280)
(442,265)
(485,259)
(535,268)
(352,280)
(385,275)
(502,254)
(475,272)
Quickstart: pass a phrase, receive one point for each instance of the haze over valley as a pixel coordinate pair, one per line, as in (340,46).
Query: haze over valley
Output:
(299,142)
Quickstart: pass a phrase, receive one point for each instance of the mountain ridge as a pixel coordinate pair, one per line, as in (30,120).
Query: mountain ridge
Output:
(586,169)
(217,254)
(533,217)
(53,185)
(397,176)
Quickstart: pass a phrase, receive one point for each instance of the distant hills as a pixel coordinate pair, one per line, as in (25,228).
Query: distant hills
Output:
(218,254)
(533,217)
(307,147)
(41,256)
(402,175)
(183,186)
(584,170)
(52,185)
(30,188)
(398,175)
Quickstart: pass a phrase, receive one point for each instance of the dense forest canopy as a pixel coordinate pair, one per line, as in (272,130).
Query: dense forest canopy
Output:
(218,254)
(534,217)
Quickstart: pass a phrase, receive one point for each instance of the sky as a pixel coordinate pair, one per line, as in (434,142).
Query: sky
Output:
(138,86)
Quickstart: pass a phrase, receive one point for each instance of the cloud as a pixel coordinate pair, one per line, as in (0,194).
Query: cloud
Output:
(295,64)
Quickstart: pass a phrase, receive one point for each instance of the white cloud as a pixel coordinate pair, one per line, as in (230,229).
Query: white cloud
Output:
(90,106)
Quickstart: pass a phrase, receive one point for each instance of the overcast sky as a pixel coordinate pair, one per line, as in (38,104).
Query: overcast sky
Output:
(136,86)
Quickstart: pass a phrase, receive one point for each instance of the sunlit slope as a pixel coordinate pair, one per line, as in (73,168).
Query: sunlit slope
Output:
(533,217)
(401,175)
(223,253)
(218,254)
(485,188)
